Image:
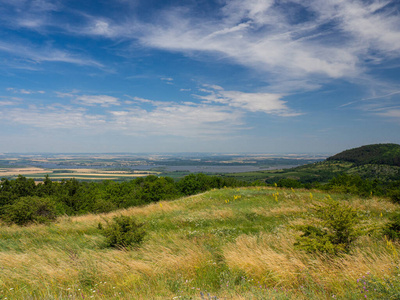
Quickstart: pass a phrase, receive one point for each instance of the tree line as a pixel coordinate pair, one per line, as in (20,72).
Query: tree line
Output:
(49,199)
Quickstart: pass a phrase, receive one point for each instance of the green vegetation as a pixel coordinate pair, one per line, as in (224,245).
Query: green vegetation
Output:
(73,197)
(26,210)
(333,231)
(383,154)
(392,228)
(233,243)
(123,232)
(326,230)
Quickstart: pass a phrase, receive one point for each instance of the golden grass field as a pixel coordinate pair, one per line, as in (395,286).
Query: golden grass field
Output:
(228,244)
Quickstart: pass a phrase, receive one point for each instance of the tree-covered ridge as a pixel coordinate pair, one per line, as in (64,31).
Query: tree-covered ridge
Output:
(385,154)
(22,201)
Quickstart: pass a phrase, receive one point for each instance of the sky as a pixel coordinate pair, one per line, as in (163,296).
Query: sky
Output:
(257,76)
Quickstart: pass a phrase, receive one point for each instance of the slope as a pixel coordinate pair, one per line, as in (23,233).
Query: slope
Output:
(228,243)
(382,154)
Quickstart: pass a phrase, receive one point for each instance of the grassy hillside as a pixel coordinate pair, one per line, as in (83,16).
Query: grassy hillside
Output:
(383,154)
(228,244)
(379,161)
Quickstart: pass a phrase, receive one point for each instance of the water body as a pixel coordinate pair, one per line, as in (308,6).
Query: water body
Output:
(223,169)
(163,168)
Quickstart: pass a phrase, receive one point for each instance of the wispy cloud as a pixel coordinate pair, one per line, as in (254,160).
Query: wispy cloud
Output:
(53,117)
(89,100)
(392,113)
(375,97)
(263,35)
(102,100)
(45,54)
(140,117)
(178,120)
(253,102)
(167,80)
(333,39)
(6,103)
(24,91)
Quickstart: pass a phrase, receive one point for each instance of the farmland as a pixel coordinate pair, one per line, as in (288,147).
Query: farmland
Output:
(121,167)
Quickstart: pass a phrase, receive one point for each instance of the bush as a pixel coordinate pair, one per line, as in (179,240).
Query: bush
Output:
(289,183)
(123,232)
(395,196)
(334,230)
(27,210)
(392,228)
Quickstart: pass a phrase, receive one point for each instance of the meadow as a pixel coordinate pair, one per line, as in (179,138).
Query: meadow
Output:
(231,243)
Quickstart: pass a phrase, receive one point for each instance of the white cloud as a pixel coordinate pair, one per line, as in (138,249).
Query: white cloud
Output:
(6,103)
(333,39)
(100,27)
(45,54)
(168,80)
(51,118)
(24,91)
(186,119)
(391,113)
(253,102)
(265,41)
(102,100)
(189,120)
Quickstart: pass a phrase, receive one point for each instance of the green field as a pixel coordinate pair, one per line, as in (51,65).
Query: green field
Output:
(228,244)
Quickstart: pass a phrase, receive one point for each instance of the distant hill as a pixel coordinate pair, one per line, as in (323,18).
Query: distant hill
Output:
(378,161)
(381,154)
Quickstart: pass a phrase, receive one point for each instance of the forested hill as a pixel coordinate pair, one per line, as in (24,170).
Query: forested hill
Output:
(386,154)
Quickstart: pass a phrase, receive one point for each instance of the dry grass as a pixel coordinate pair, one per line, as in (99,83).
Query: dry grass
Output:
(51,262)
(273,260)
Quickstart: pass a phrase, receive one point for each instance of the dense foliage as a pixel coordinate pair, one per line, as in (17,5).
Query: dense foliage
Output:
(386,154)
(392,228)
(333,229)
(29,209)
(123,232)
(22,201)
(347,184)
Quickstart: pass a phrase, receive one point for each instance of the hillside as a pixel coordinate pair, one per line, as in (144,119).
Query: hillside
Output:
(227,244)
(382,154)
(379,161)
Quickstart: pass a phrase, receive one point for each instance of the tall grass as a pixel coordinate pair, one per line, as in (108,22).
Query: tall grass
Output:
(229,244)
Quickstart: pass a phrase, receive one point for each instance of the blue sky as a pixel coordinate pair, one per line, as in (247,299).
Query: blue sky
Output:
(298,76)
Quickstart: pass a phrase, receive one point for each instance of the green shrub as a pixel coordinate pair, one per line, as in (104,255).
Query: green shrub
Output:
(334,229)
(289,183)
(392,228)
(395,196)
(27,210)
(123,232)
